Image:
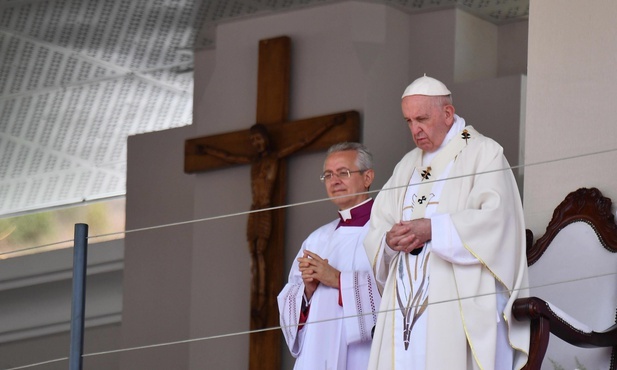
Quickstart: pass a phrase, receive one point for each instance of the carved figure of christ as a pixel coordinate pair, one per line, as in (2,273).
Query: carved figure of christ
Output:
(265,146)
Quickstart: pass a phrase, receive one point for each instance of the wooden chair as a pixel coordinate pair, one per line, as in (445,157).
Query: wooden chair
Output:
(553,278)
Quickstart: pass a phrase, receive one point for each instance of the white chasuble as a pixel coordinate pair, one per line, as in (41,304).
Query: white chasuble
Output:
(449,306)
(334,336)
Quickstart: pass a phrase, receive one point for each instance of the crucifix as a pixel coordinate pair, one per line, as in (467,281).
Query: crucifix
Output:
(265,146)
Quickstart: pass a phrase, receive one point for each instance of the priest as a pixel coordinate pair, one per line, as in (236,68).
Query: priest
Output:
(328,307)
(447,244)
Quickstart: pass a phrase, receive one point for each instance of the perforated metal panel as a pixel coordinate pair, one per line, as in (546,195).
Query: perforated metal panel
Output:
(78,76)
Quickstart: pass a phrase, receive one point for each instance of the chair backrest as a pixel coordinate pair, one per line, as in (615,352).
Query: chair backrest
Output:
(573,266)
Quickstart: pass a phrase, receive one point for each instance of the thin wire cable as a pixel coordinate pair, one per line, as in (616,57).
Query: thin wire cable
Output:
(319,200)
(38,364)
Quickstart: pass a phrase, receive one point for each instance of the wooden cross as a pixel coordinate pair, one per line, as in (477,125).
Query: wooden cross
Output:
(268,179)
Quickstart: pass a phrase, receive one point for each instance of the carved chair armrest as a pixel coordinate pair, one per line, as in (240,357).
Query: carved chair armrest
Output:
(560,324)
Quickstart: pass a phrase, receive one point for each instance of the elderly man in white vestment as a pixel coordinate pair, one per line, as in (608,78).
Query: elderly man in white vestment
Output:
(447,244)
(328,307)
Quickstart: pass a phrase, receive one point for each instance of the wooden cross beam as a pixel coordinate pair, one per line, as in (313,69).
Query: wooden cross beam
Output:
(266,148)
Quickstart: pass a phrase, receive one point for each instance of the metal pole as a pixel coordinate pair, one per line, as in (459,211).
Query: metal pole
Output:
(80,261)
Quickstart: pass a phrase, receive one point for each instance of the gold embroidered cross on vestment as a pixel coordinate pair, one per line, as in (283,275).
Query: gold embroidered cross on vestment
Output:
(426,173)
(465,135)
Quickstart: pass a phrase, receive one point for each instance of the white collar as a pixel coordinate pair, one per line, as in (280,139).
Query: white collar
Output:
(346,213)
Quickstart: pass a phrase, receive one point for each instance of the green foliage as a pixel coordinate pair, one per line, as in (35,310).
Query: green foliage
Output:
(26,229)
(97,214)
(54,229)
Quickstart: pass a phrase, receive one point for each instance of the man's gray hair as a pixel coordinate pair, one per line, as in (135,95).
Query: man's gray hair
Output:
(364,160)
(441,101)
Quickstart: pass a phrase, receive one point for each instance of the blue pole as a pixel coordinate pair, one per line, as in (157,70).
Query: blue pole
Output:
(80,260)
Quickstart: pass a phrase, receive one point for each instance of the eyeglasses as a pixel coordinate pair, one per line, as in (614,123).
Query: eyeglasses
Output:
(342,174)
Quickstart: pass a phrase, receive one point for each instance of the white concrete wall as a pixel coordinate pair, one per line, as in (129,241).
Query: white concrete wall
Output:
(476,51)
(157,261)
(571,110)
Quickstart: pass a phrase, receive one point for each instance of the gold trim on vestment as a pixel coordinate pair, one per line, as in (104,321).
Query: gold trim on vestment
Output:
(393,331)
(509,291)
(375,265)
(467,335)
(489,270)
(513,347)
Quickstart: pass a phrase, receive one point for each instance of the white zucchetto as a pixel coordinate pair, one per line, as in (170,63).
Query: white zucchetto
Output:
(426,86)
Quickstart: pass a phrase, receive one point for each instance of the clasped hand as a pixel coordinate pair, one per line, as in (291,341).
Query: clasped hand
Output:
(406,236)
(315,270)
